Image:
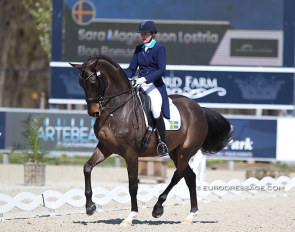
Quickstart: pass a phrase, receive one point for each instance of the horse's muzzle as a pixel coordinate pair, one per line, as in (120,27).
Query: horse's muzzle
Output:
(95,114)
(94,110)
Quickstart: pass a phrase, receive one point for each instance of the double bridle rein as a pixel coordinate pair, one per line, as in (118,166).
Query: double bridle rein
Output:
(100,98)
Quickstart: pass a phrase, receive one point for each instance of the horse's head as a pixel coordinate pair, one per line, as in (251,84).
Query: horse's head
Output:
(96,75)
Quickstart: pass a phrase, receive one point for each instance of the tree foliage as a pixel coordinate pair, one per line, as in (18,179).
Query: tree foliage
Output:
(41,12)
(25,27)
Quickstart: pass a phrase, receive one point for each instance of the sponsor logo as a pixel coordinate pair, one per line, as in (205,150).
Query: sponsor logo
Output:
(254,47)
(193,87)
(260,87)
(83,12)
(68,132)
(241,145)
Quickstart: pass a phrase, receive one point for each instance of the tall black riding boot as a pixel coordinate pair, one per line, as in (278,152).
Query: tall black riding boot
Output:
(162,147)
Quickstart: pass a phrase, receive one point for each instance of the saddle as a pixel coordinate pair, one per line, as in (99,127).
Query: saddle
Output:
(173,123)
(146,106)
(151,123)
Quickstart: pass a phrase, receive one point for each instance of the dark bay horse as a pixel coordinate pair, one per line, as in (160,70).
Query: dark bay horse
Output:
(120,127)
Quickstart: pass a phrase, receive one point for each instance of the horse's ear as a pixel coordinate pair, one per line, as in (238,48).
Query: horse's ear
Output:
(77,66)
(93,64)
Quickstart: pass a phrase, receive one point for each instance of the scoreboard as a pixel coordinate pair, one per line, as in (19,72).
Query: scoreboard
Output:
(245,48)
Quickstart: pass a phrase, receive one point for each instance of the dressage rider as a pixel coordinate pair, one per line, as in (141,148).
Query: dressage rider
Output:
(150,58)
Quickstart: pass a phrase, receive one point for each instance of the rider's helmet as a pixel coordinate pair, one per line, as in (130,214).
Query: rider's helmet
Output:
(147,26)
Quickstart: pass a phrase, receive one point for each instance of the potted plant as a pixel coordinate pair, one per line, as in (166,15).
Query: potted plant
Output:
(34,166)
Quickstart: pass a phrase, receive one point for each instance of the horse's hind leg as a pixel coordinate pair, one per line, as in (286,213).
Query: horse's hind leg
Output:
(190,179)
(95,159)
(158,208)
(180,164)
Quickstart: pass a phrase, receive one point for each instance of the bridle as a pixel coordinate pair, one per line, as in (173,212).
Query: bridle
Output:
(100,98)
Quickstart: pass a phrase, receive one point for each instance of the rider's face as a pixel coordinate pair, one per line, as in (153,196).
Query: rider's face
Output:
(146,37)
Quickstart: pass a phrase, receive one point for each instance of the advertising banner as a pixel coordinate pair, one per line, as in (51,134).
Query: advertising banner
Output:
(232,87)
(60,131)
(71,132)
(201,86)
(252,139)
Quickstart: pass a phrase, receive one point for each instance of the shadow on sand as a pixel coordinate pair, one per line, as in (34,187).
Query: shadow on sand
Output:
(117,221)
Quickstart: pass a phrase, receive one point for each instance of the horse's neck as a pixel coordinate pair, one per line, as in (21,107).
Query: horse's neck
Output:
(116,79)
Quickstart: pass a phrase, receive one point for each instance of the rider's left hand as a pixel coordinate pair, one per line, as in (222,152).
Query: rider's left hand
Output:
(132,82)
(140,81)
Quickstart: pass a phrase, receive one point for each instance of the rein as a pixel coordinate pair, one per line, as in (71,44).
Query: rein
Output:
(101,98)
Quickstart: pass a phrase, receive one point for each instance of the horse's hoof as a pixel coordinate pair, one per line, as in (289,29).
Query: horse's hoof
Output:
(91,209)
(189,218)
(158,211)
(126,223)
(187,222)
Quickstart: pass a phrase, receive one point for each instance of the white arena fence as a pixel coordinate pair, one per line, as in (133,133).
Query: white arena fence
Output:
(52,200)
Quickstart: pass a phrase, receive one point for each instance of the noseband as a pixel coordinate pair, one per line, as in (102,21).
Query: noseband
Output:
(100,97)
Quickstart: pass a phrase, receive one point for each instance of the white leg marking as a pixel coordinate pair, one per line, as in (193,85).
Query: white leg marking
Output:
(128,221)
(189,218)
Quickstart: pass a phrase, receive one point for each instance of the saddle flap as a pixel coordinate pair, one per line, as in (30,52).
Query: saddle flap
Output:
(173,123)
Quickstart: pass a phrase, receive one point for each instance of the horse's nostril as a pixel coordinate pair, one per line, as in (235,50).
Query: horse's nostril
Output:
(95,114)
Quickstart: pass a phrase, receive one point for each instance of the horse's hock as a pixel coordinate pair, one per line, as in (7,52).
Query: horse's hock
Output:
(152,168)
(34,174)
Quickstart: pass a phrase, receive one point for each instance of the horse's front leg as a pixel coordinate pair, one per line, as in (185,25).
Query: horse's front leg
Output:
(132,167)
(96,158)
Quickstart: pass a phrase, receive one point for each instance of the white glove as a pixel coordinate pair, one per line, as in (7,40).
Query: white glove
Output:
(140,81)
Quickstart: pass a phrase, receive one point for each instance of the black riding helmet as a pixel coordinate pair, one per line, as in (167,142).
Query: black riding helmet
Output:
(147,26)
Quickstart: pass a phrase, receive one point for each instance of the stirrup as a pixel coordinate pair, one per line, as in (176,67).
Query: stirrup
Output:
(162,149)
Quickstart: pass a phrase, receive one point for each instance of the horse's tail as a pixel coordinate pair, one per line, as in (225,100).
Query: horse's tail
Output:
(219,132)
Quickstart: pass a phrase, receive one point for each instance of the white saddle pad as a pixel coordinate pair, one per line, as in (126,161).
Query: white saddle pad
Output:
(174,122)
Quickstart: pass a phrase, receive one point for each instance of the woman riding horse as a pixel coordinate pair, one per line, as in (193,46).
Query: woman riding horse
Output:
(120,127)
(150,57)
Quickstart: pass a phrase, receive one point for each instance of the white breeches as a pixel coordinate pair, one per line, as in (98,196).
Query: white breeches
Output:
(156,98)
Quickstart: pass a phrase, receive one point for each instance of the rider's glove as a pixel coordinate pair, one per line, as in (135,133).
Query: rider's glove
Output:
(132,82)
(140,81)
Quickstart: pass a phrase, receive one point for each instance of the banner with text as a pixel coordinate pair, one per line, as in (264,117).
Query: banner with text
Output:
(189,40)
(71,132)
(202,86)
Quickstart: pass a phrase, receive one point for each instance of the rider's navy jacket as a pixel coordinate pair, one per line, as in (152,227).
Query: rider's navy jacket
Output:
(152,66)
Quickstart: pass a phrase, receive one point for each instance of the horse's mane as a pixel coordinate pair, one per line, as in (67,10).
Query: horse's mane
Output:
(101,57)
(106,58)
